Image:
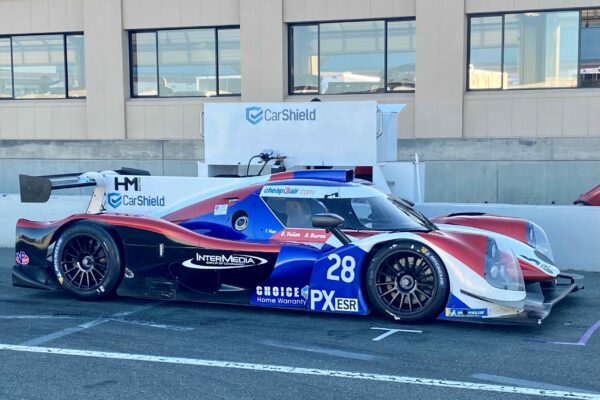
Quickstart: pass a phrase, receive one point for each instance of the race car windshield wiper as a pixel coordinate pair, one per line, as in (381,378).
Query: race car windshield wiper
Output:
(410,210)
(411,230)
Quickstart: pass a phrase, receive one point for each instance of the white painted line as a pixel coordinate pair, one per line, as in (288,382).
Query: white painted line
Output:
(154,325)
(321,350)
(531,384)
(38,317)
(391,332)
(303,371)
(75,329)
(62,333)
(150,324)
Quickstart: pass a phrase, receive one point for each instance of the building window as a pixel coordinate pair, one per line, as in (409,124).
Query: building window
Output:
(42,66)
(5,69)
(352,57)
(589,67)
(401,56)
(534,50)
(185,62)
(230,71)
(75,66)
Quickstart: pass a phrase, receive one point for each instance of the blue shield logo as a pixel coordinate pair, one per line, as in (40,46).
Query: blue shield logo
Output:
(115,200)
(254,115)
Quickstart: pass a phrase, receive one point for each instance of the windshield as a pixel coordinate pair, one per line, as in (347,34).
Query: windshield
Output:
(378,213)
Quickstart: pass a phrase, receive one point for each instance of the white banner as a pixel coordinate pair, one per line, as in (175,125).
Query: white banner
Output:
(308,133)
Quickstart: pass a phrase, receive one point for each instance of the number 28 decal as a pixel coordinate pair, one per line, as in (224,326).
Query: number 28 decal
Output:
(347,264)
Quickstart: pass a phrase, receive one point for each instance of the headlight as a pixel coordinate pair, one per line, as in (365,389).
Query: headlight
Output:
(536,238)
(501,268)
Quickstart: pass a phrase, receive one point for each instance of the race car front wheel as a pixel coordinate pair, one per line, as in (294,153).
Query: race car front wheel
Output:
(87,262)
(408,282)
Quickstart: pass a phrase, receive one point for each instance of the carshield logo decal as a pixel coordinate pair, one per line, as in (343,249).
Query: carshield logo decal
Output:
(223,261)
(254,114)
(115,200)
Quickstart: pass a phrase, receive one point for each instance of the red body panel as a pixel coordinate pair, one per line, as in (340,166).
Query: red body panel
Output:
(160,226)
(515,228)
(531,273)
(591,197)
(468,248)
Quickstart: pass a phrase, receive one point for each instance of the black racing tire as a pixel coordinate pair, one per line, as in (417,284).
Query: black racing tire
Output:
(407,282)
(87,262)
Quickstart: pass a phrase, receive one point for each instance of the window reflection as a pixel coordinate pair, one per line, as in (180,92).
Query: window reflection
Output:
(589,73)
(183,62)
(485,58)
(352,57)
(39,66)
(401,59)
(143,64)
(75,66)
(305,59)
(5,69)
(540,49)
(230,74)
(186,63)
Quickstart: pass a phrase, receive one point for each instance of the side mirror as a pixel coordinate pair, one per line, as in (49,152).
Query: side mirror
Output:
(326,221)
(331,223)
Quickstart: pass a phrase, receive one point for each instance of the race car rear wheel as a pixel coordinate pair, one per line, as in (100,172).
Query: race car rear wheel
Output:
(87,262)
(408,282)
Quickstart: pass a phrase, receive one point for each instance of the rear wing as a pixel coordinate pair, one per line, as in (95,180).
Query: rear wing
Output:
(37,189)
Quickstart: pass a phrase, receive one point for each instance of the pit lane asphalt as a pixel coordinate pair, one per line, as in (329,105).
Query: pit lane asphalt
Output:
(452,351)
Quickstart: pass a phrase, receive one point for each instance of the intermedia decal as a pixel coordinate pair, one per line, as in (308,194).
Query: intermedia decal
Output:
(223,261)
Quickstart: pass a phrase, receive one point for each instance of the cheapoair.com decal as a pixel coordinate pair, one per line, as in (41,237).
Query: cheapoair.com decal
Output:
(223,261)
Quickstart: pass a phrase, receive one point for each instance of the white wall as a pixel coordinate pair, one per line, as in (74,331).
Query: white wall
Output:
(572,230)
(143,14)
(533,113)
(39,119)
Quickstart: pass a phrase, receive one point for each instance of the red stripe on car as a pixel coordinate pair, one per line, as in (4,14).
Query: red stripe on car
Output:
(531,273)
(468,248)
(515,228)
(168,229)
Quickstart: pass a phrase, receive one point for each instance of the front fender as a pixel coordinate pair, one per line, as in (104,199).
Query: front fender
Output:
(336,281)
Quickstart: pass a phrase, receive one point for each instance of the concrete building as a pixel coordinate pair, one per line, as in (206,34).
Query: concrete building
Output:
(503,101)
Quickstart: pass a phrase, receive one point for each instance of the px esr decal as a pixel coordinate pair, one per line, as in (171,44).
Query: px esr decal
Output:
(325,300)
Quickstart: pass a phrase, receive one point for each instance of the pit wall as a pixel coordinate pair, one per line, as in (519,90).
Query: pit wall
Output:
(468,170)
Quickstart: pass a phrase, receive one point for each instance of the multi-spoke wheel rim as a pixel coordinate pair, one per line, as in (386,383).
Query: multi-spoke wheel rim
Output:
(405,282)
(84,262)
